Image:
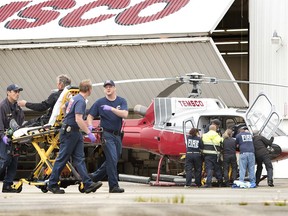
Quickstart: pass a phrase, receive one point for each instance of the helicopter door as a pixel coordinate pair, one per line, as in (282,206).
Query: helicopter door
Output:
(262,117)
(187,125)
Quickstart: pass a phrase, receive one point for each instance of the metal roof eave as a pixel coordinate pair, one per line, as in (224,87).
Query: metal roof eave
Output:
(93,43)
(74,42)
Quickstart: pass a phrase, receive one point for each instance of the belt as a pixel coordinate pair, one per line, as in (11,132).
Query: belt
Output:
(68,128)
(115,132)
(193,152)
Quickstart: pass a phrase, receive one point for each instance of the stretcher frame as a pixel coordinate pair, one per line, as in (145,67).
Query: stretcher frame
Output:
(48,136)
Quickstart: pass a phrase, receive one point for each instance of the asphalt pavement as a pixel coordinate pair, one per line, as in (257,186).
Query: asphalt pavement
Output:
(144,199)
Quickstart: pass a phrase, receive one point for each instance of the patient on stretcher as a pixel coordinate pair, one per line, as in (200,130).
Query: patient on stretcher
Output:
(55,118)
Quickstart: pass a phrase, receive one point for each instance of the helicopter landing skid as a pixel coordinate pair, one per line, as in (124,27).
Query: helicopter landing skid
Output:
(158,182)
(162,183)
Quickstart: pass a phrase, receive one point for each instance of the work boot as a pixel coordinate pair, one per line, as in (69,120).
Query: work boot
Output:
(92,178)
(220,183)
(270,183)
(116,190)
(93,187)
(56,190)
(7,188)
(207,186)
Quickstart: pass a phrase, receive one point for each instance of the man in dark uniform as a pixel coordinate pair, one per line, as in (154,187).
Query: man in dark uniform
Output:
(229,157)
(8,160)
(48,104)
(111,109)
(193,159)
(71,141)
(262,156)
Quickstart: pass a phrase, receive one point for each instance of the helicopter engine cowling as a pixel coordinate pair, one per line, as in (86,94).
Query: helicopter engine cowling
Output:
(140,109)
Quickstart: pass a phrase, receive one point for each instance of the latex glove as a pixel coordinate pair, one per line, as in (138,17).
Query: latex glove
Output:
(5,139)
(106,107)
(92,137)
(90,127)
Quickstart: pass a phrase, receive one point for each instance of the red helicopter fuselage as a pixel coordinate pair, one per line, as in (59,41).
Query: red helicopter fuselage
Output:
(140,134)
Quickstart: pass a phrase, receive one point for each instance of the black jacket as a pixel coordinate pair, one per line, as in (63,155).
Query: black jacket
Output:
(48,104)
(9,111)
(229,146)
(261,144)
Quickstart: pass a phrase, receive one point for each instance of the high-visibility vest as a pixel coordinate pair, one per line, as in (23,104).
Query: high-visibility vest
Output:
(212,141)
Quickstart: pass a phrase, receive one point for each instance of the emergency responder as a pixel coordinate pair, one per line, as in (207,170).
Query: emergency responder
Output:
(212,142)
(47,105)
(229,157)
(71,141)
(193,160)
(215,122)
(262,156)
(111,109)
(8,157)
(244,140)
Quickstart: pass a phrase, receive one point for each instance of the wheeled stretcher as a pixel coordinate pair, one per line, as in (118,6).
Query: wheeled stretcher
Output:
(45,140)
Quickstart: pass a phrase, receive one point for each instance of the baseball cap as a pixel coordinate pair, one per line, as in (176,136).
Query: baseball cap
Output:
(109,82)
(243,128)
(216,122)
(14,87)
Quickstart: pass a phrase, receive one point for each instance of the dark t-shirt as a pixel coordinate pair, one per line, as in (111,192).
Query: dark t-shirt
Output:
(76,105)
(245,142)
(109,120)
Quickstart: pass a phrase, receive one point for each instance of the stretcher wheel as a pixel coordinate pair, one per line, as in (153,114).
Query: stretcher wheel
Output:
(44,189)
(19,189)
(81,188)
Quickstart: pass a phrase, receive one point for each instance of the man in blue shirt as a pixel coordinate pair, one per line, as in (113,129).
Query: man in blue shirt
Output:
(247,156)
(111,109)
(71,141)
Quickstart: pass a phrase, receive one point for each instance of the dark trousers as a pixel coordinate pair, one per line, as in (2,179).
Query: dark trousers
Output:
(268,165)
(112,150)
(71,145)
(193,161)
(211,164)
(8,164)
(229,160)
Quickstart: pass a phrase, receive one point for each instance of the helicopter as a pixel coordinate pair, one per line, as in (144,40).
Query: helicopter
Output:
(163,126)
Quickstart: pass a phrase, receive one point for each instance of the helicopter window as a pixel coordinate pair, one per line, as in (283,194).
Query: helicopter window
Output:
(226,122)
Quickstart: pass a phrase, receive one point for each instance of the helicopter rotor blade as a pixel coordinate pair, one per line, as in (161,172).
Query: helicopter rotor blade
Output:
(139,80)
(166,92)
(249,82)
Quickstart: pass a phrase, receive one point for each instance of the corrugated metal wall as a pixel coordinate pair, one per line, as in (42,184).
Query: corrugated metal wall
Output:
(268,61)
(36,69)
